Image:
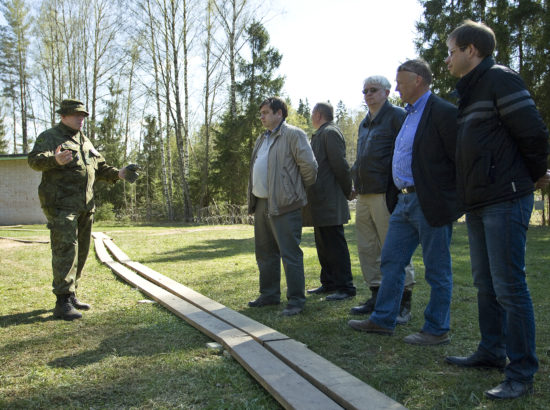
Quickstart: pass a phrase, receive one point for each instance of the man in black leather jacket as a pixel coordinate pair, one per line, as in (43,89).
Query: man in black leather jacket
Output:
(371,176)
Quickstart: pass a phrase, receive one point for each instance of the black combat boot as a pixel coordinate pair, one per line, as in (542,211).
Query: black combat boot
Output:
(78,304)
(405,308)
(368,306)
(64,308)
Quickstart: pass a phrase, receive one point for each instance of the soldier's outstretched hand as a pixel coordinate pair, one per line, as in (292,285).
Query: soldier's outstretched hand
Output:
(63,157)
(129,173)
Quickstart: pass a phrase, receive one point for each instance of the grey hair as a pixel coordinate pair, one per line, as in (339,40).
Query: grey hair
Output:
(378,80)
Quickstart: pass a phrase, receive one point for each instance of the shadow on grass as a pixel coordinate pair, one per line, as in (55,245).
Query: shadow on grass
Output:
(26,318)
(122,344)
(215,248)
(205,250)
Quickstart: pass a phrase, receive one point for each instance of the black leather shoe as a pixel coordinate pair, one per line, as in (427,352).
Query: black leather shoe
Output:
(260,302)
(363,309)
(477,360)
(317,291)
(292,311)
(338,296)
(509,389)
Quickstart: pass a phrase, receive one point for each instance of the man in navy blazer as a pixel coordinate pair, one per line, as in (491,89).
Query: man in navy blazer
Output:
(422,199)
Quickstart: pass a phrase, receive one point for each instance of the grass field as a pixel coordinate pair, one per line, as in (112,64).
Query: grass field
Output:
(128,354)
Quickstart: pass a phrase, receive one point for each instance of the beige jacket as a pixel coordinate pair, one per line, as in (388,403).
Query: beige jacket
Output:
(290,165)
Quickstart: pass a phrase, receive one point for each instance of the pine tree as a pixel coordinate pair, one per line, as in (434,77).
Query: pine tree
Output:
(235,137)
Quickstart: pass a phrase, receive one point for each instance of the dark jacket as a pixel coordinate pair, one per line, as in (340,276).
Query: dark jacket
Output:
(327,203)
(502,142)
(70,186)
(371,171)
(433,163)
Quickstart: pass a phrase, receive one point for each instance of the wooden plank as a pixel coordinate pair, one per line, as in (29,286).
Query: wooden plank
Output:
(298,391)
(100,250)
(257,330)
(280,380)
(342,387)
(100,235)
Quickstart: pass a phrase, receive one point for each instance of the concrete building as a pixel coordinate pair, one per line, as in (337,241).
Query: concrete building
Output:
(19,202)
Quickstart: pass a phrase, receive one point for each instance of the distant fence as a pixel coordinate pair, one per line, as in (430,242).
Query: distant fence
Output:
(229,214)
(224,214)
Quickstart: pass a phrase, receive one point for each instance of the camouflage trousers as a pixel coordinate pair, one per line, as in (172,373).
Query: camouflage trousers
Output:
(70,235)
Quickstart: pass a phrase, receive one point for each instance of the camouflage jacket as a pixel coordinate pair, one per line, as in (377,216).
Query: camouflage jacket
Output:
(70,186)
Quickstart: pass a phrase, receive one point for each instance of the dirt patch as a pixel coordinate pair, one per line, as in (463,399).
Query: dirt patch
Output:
(6,243)
(173,231)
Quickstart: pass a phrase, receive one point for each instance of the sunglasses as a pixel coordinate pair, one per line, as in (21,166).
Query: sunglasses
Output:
(371,90)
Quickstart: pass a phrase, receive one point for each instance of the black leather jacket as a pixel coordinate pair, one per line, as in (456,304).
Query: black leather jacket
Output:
(502,142)
(371,171)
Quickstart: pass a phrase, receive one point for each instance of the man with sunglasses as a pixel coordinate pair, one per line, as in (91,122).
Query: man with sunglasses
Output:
(422,198)
(371,173)
(502,150)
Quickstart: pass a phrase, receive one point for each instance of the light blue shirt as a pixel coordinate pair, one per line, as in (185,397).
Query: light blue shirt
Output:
(402,155)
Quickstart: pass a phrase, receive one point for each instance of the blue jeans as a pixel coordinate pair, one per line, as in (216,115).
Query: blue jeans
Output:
(497,235)
(408,228)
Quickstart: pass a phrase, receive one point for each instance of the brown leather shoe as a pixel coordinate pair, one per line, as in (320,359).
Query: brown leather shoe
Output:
(369,327)
(427,339)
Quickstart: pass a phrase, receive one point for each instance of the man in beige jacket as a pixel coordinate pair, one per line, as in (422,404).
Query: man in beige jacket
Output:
(282,164)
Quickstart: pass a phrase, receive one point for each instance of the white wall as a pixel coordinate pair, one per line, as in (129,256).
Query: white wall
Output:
(19,202)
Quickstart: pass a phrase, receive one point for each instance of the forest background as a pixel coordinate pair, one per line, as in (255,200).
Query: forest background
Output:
(175,87)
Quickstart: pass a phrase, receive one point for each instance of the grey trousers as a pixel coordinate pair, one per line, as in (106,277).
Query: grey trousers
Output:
(278,238)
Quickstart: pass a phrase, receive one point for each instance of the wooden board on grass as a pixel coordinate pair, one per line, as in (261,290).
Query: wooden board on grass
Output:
(288,387)
(257,330)
(338,384)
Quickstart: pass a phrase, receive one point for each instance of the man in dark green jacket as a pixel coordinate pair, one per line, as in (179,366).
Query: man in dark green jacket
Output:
(70,165)
(327,208)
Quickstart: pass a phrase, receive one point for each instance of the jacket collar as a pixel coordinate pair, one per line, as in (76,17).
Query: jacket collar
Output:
(67,130)
(322,127)
(469,81)
(379,115)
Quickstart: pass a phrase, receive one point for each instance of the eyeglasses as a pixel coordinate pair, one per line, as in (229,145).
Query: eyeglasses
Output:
(451,52)
(371,90)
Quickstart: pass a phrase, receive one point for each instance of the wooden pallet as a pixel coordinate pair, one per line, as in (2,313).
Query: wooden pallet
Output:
(294,375)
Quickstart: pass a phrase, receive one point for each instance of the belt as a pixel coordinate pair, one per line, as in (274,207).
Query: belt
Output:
(408,190)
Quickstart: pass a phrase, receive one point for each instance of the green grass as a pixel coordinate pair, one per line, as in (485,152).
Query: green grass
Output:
(126,354)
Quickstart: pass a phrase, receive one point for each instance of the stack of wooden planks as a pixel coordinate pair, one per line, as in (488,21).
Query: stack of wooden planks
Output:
(295,376)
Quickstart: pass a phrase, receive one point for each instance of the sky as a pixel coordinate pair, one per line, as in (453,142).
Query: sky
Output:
(330,46)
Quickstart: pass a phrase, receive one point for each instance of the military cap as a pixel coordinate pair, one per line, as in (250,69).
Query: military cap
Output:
(71,106)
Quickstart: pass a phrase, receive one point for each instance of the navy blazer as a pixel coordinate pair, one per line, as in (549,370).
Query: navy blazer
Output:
(433,163)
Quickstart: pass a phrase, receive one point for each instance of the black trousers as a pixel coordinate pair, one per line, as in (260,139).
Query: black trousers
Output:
(333,254)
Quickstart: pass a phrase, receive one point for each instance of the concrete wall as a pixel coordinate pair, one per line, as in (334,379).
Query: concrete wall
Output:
(19,202)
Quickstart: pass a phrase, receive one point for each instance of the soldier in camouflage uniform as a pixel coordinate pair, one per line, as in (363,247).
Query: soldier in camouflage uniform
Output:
(70,165)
